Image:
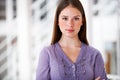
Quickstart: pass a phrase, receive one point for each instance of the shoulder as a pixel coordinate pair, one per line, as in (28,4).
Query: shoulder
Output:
(48,49)
(91,50)
(93,55)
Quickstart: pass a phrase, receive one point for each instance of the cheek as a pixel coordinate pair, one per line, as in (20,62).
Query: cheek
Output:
(78,27)
(81,23)
(61,24)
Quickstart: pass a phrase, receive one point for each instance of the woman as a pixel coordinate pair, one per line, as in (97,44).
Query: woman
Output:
(69,57)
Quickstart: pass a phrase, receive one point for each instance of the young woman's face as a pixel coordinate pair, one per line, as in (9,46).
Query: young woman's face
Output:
(70,21)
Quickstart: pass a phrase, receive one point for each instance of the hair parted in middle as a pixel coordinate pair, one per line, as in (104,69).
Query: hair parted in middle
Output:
(56,30)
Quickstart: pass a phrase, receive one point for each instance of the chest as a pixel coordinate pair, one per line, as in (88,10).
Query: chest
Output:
(66,71)
(71,53)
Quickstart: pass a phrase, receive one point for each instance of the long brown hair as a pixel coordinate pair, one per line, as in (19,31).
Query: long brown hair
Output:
(56,31)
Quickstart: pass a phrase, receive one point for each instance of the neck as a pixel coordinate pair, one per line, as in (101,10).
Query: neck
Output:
(69,42)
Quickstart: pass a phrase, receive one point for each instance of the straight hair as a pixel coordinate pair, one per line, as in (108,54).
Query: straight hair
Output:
(56,30)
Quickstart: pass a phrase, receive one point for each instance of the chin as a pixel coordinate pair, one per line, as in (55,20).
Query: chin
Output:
(71,36)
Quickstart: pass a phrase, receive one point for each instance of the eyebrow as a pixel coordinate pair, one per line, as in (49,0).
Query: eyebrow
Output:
(67,16)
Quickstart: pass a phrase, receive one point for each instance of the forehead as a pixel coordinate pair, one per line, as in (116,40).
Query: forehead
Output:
(70,10)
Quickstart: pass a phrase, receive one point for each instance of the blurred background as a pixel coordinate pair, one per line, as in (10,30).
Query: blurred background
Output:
(26,27)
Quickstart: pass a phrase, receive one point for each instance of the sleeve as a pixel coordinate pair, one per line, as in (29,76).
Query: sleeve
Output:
(99,68)
(42,72)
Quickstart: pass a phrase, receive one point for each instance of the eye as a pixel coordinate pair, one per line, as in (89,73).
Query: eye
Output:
(65,18)
(76,18)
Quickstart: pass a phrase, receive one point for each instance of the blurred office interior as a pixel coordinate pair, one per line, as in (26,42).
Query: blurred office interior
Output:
(26,27)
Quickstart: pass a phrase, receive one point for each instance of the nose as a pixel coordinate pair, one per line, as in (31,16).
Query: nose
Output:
(70,23)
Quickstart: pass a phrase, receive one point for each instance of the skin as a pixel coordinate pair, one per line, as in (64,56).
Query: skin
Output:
(70,22)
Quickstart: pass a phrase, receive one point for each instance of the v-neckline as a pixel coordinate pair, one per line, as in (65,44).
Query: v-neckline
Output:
(61,52)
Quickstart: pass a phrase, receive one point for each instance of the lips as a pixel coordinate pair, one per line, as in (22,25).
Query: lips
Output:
(69,30)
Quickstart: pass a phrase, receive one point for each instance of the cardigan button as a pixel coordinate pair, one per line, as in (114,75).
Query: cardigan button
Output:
(82,64)
(84,72)
(73,66)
